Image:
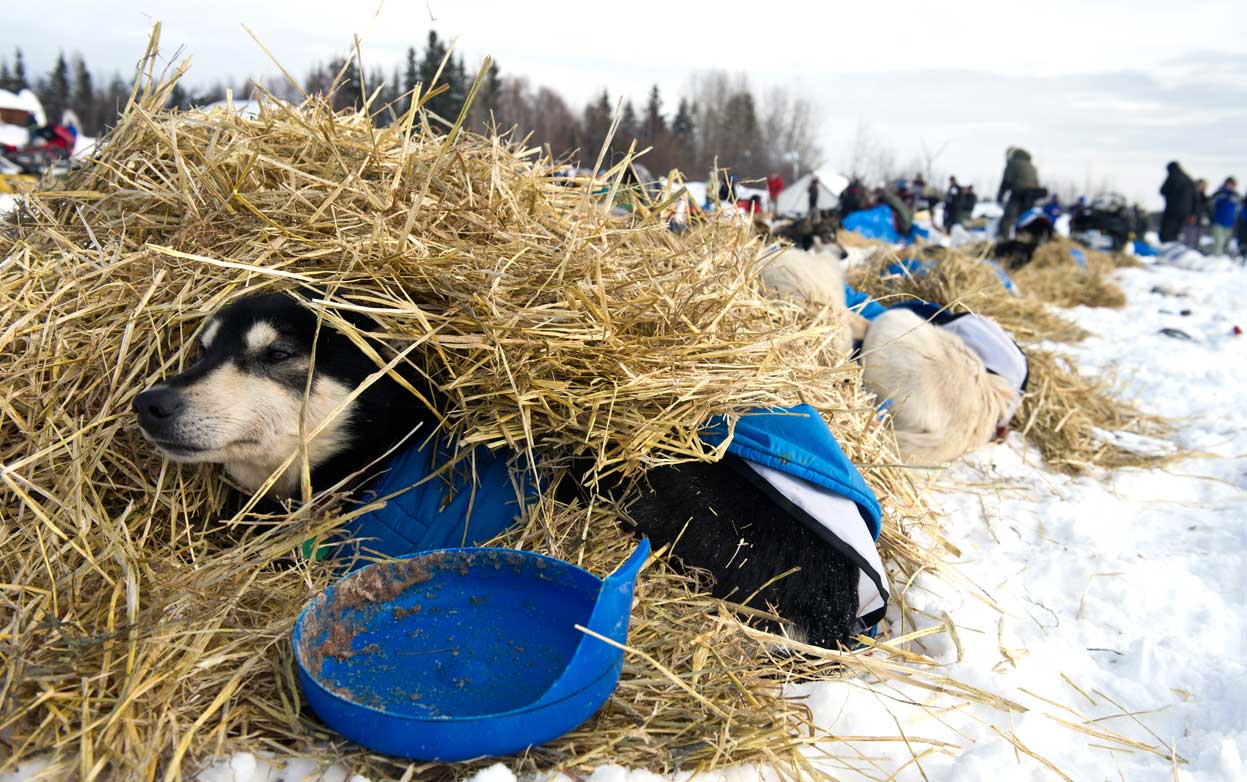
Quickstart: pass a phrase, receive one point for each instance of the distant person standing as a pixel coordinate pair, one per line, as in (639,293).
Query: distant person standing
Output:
(1225,205)
(965,205)
(1140,221)
(1020,184)
(1179,193)
(774,185)
(1193,231)
(905,194)
(952,204)
(813,192)
(1240,231)
(853,199)
(920,192)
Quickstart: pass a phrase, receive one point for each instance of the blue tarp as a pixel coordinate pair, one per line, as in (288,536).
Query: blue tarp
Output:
(1144,250)
(873,223)
(879,223)
(1079,257)
(870,309)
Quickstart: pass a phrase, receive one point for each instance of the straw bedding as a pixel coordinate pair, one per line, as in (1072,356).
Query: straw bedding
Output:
(147,615)
(1053,276)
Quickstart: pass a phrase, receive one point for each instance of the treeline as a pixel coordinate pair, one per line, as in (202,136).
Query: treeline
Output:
(721,120)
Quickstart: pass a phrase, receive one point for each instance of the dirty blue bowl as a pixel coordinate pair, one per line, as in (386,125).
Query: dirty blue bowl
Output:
(463,653)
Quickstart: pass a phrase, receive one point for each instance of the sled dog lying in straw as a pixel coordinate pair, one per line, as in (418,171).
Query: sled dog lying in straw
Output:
(954,383)
(952,387)
(813,278)
(744,521)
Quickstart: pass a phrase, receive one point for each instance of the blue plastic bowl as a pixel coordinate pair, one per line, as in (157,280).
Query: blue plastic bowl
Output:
(463,653)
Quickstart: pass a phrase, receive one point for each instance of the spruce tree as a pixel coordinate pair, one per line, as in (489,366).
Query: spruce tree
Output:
(6,76)
(460,84)
(56,94)
(491,90)
(682,125)
(434,53)
(597,123)
(655,125)
(84,97)
(114,102)
(179,98)
(629,127)
(411,75)
(19,72)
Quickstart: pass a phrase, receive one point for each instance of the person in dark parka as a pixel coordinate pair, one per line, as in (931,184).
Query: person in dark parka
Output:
(1021,184)
(1179,194)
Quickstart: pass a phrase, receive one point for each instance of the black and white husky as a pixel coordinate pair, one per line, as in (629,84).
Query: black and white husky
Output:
(246,403)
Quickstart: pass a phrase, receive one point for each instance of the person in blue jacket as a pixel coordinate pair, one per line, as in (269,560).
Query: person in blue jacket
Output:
(1225,208)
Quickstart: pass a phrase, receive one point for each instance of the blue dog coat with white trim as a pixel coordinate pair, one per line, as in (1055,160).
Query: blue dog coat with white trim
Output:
(796,458)
(801,466)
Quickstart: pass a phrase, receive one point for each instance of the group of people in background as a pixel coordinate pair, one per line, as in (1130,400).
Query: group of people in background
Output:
(1190,212)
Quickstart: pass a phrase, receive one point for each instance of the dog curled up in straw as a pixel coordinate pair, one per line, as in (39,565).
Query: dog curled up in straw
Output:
(952,382)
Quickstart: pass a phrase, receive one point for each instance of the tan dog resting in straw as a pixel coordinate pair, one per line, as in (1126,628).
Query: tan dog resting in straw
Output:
(953,387)
(815,279)
(953,381)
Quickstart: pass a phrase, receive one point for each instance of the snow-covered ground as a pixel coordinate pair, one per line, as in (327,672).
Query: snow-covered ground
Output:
(1121,598)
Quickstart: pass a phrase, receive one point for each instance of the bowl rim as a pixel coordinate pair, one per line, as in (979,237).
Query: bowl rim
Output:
(296,634)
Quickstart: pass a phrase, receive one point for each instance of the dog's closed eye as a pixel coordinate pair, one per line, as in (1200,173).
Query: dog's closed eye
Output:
(277,355)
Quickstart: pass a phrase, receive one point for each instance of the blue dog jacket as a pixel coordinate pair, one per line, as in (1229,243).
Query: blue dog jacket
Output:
(476,500)
(799,464)
(796,459)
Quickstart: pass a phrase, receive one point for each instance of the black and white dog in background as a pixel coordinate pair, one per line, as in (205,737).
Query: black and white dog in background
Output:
(240,405)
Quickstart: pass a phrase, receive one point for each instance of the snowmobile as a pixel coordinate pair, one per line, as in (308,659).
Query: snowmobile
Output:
(1104,224)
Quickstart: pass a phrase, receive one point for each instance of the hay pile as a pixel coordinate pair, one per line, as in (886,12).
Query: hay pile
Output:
(1063,412)
(965,284)
(1054,276)
(147,617)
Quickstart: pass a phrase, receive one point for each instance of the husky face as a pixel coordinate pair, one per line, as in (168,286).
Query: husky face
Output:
(245,400)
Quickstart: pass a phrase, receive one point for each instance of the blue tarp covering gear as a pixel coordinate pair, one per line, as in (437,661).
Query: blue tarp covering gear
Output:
(861,303)
(797,441)
(873,223)
(1144,250)
(483,501)
(879,223)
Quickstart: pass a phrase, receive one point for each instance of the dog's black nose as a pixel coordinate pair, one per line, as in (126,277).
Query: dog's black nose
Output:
(157,405)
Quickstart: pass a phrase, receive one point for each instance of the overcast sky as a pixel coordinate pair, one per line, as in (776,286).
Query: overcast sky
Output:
(1099,91)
